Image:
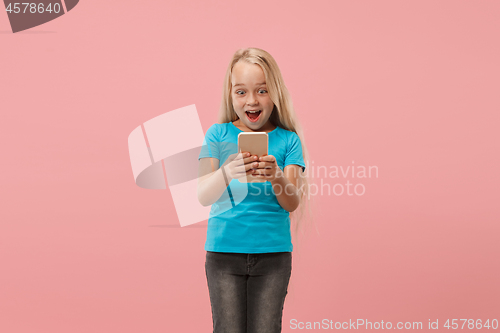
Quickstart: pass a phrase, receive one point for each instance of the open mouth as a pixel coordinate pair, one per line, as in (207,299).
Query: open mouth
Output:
(253,116)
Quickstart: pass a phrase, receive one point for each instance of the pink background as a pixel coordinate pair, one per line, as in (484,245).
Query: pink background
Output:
(411,87)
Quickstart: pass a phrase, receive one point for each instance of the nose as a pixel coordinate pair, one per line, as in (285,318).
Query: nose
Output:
(251,99)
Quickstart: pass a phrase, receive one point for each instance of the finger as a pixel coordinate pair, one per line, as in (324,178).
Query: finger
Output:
(268,165)
(254,165)
(262,172)
(250,159)
(264,165)
(261,176)
(267,158)
(240,156)
(244,174)
(246,154)
(244,168)
(240,160)
(249,172)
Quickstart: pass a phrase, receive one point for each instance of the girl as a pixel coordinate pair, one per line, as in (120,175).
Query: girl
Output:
(249,245)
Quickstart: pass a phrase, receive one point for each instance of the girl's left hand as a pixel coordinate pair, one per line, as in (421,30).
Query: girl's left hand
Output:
(267,168)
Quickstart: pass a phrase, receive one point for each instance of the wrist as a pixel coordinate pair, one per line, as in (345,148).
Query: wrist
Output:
(227,178)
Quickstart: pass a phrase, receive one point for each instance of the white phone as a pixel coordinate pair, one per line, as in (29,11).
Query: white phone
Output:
(256,143)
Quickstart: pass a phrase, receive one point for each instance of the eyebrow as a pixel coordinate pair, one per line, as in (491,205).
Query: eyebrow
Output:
(241,84)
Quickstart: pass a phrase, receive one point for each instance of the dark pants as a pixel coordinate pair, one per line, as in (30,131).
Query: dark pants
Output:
(247,291)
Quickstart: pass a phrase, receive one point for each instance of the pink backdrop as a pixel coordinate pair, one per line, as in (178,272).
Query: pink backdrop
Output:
(409,87)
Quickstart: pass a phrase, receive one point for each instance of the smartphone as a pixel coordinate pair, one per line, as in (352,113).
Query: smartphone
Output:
(256,143)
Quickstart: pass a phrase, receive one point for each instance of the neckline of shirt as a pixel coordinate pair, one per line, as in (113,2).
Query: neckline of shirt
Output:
(274,130)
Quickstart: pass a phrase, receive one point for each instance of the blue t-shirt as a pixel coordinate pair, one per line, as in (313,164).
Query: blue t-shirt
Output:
(248,218)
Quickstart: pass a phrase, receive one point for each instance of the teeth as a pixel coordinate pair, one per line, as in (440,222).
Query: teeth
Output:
(253,111)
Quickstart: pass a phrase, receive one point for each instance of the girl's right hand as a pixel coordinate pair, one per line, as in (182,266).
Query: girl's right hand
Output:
(240,165)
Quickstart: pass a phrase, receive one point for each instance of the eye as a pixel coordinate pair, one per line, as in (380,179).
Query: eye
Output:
(265,91)
(239,91)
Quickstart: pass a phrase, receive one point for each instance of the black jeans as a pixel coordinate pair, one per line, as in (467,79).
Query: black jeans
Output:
(247,291)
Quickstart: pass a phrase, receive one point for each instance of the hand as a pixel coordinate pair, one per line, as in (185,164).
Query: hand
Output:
(267,168)
(238,165)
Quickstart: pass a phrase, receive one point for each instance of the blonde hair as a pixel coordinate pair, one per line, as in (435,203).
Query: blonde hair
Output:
(283,115)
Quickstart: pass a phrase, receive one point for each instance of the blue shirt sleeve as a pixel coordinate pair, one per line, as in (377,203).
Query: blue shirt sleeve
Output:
(211,143)
(294,151)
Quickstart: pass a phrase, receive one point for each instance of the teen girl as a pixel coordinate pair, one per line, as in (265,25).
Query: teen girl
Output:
(249,245)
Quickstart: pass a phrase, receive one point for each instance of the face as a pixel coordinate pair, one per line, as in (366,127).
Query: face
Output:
(249,93)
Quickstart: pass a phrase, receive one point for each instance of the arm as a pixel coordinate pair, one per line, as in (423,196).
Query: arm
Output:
(284,183)
(286,187)
(211,183)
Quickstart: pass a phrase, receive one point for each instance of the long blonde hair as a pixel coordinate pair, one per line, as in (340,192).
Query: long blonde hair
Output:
(283,115)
